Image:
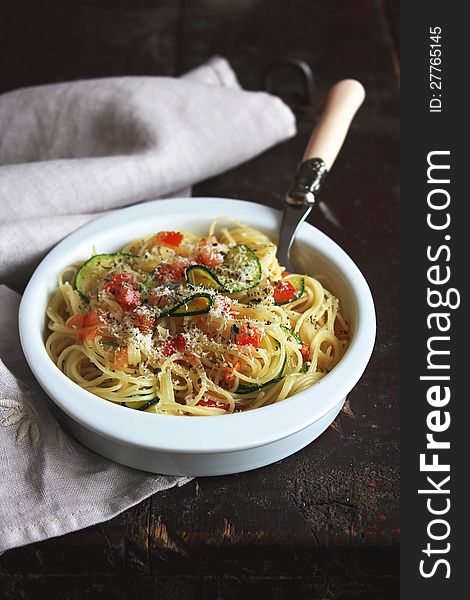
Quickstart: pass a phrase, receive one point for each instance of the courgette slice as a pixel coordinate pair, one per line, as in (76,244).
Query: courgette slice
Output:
(146,285)
(89,277)
(291,335)
(299,284)
(198,304)
(200,275)
(240,271)
(109,345)
(247,388)
(149,403)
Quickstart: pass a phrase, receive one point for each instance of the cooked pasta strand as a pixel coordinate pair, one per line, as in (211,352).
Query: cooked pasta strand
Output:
(225,351)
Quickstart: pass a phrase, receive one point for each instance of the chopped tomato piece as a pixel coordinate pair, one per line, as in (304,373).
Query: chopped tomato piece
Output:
(229,376)
(285,274)
(127,297)
(144,321)
(172,239)
(117,281)
(168,349)
(209,254)
(88,333)
(305,351)
(209,257)
(76,321)
(121,285)
(121,358)
(224,305)
(88,325)
(179,343)
(211,403)
(249,336)
(92,318)
(284,291)
(170,272)
(192,358)
(176,344)
(157,300)
(92,323)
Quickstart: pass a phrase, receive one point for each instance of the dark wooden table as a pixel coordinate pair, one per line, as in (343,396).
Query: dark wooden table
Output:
(323,523)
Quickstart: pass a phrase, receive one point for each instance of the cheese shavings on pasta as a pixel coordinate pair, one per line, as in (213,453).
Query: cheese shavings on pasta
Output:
(180,324)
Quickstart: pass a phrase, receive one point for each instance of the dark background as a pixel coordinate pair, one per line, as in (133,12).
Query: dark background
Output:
(323,523)
(424,132)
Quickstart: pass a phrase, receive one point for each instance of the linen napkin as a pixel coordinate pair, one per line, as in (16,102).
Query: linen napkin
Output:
(69,152)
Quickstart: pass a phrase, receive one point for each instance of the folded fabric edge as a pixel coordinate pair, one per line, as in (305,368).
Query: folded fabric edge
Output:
(69,522)
(217,71)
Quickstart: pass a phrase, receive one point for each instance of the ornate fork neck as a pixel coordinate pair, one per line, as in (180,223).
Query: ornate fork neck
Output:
(307,182)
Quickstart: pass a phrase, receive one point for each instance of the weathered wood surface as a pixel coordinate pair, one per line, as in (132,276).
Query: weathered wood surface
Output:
(323,523)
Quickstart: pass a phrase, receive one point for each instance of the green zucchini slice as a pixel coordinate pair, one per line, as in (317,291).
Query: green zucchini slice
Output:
(146,285)
(247,388)
(149,403)
(198,304)
(109,345)
(200,275)
(240,271)
(291,335)
(299,285)
(89,277)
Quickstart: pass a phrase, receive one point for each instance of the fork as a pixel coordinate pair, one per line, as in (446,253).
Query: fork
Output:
(344,99)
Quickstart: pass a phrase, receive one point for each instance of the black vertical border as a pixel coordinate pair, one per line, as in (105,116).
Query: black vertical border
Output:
(423,132)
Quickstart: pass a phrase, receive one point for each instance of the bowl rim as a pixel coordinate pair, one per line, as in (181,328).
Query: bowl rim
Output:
(201,435)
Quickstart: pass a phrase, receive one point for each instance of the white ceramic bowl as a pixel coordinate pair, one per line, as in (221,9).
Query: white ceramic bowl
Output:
(198,445)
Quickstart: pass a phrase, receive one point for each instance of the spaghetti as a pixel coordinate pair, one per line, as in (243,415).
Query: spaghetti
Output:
(181,325)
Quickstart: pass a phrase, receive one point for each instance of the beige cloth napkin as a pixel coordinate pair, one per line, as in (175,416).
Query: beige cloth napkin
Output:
(69,152)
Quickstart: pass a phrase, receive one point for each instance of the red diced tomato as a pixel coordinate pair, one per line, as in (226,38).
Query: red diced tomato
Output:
(121,285)
(88,325)
(144,321)
(157,300)
(249,336)
(88,333)
(176,344)
(92,323)
(171,239)
(170,272)
(179,343)
(285,274)
(92,318)
(127,297)
(209,257)
(168,349)
(192,358)
(284,291)
(224,305)
(121,358)
(211,403)
(229,375)
(209,254)
(117,281)
(76,321)
(305,351)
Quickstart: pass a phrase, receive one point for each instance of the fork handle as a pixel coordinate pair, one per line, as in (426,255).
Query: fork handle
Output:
(325,142)
(342,103)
